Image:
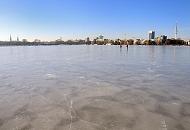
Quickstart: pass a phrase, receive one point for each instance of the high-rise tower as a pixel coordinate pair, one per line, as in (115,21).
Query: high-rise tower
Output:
(176,31)
(10,38)
(151,35)
(17,39)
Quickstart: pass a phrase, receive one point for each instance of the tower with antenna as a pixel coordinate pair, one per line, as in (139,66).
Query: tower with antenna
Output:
(176,31)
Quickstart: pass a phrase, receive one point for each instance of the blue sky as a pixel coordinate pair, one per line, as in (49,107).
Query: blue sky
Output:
(71,19)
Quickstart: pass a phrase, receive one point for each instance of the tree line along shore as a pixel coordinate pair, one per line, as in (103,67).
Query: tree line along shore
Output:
(98,42)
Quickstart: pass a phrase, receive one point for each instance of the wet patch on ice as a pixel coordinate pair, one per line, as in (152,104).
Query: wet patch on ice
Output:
(185,109)
(26,127)
(1,122)
(65,122)
(24,113)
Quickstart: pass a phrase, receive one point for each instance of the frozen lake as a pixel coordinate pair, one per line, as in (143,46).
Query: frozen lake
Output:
(95,88)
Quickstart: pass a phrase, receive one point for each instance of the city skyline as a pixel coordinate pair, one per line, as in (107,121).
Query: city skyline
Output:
(69,19)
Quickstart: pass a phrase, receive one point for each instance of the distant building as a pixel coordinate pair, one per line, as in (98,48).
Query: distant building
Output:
(37,41)
(10,38)
(161,40)
(59,40)
(24,40)
(151,35)
(188,42)
(87,41)
(17,39)
(163,37)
